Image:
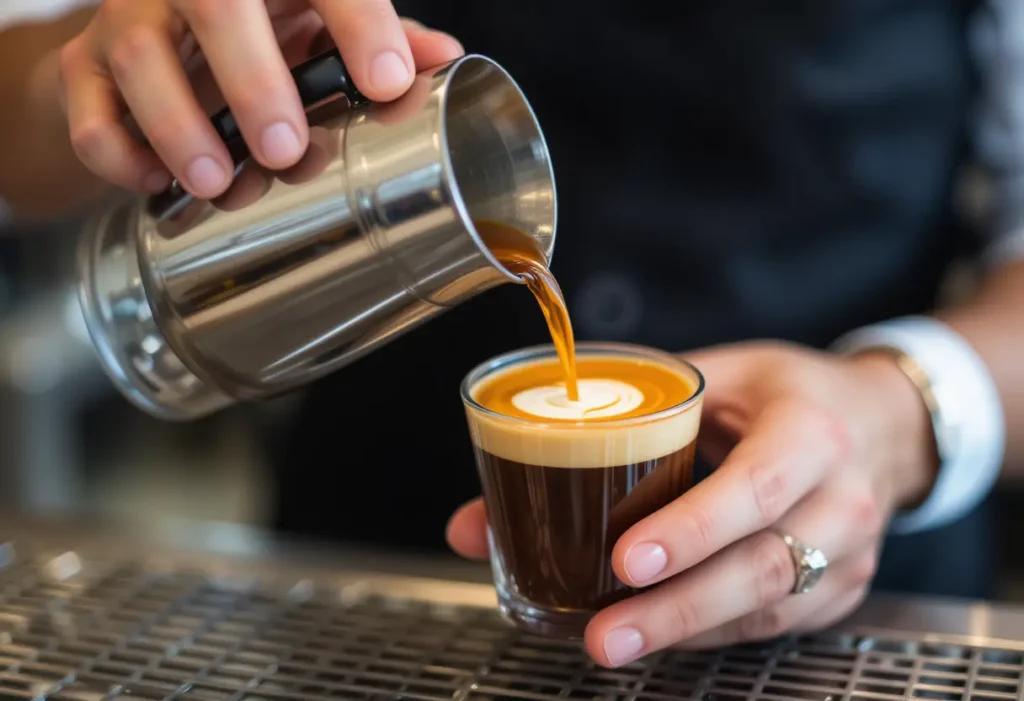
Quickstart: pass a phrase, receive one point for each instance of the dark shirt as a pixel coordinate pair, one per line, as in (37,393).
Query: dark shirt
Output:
(726,170)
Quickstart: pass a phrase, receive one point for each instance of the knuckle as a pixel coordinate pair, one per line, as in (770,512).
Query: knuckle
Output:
(69,58)
(369,14)
(820,426)
(773,569)
(683,618)
(837,431)
(89,141)
(134,44)
(867,517)
(769,485)
(768,622)
(701,527)
(862,571)
(822,423)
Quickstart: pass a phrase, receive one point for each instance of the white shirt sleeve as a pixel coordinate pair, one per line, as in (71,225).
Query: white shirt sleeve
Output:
(963,386)
(18,11)
(974,424)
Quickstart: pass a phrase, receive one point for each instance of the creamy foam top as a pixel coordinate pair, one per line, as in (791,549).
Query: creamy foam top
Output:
(598,398)
(608,426)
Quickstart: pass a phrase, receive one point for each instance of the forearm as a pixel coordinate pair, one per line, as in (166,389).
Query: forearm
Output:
(992,321)
(40,175)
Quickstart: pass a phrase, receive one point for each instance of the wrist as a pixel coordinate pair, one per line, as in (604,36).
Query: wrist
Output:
(902,439)
(966,413)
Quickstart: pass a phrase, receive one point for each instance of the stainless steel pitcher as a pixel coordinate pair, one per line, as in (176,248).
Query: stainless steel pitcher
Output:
(193,305)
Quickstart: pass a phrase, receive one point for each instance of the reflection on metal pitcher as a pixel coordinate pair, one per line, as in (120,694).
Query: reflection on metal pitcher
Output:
(291,275)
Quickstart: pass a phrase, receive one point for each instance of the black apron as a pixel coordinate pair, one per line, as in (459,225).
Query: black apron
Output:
(726,170)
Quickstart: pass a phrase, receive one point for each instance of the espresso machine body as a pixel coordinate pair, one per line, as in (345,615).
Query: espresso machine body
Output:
(193,305)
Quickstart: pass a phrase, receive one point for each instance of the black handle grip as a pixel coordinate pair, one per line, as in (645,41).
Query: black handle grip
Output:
(322,77)
(318,79)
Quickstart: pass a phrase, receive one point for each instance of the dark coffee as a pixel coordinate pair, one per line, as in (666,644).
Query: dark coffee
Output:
(573,447)
(554,528)
(563,480)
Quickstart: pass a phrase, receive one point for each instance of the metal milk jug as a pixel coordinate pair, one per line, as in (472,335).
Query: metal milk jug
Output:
(193,305)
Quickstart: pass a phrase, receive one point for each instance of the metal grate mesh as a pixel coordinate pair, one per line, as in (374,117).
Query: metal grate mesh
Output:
(85,631)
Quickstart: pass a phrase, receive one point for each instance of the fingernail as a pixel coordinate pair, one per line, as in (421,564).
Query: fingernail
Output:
(280,143)
(157,181)
(644,562)
(623,645)
(388,72)
(206,176)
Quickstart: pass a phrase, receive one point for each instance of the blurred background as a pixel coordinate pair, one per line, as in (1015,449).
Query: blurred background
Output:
(69,442)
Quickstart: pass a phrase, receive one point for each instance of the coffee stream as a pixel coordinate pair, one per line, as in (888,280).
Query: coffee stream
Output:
(520,255)
(559,497)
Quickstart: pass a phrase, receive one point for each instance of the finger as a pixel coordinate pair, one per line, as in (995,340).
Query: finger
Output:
(429,47)
(749,577)
(296,46)
(725,368)
(241,49)
(720,431)
(153,83)
(833,612)
(372,44)
(846,527)
(98,136)
(302,38)
(740,370)
(838,594)
(788,451)
(467,530)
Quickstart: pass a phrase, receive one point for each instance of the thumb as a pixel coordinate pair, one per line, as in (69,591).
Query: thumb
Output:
(735,370)
(727,369)
(467,530)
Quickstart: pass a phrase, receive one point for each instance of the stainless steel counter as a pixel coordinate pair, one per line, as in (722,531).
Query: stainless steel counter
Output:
(223,612)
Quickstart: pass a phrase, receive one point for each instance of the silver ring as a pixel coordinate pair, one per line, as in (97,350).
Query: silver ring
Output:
(810,563)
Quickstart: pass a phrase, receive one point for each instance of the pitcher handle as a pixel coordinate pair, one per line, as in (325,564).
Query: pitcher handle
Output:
(319,78)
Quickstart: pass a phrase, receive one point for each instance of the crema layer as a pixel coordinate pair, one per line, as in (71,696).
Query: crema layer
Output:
(610,425)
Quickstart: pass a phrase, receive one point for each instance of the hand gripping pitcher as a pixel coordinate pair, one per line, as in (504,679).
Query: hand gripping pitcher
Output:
(193,305)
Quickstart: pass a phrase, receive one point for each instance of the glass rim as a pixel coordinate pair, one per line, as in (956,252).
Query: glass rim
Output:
(520,355)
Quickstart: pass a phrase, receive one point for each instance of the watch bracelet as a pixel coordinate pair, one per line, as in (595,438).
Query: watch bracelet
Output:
(923,383)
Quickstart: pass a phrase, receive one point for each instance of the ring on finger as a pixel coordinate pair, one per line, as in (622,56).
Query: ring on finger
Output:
(809,562)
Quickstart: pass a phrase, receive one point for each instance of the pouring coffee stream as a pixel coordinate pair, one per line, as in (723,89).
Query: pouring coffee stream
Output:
(519,254)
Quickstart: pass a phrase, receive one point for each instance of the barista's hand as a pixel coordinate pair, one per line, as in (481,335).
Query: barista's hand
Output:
(816,446)
(131,57)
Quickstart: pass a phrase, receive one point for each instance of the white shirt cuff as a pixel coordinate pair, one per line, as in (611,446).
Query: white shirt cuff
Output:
(971,410)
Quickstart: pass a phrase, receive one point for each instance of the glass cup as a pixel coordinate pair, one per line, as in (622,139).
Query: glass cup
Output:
(560,494)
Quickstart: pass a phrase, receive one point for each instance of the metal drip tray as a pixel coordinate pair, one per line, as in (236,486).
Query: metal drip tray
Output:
(104,621)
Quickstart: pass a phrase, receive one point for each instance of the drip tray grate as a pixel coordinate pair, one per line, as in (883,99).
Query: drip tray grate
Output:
(77,629)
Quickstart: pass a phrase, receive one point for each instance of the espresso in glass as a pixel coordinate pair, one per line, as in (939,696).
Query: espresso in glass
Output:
(564,478)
